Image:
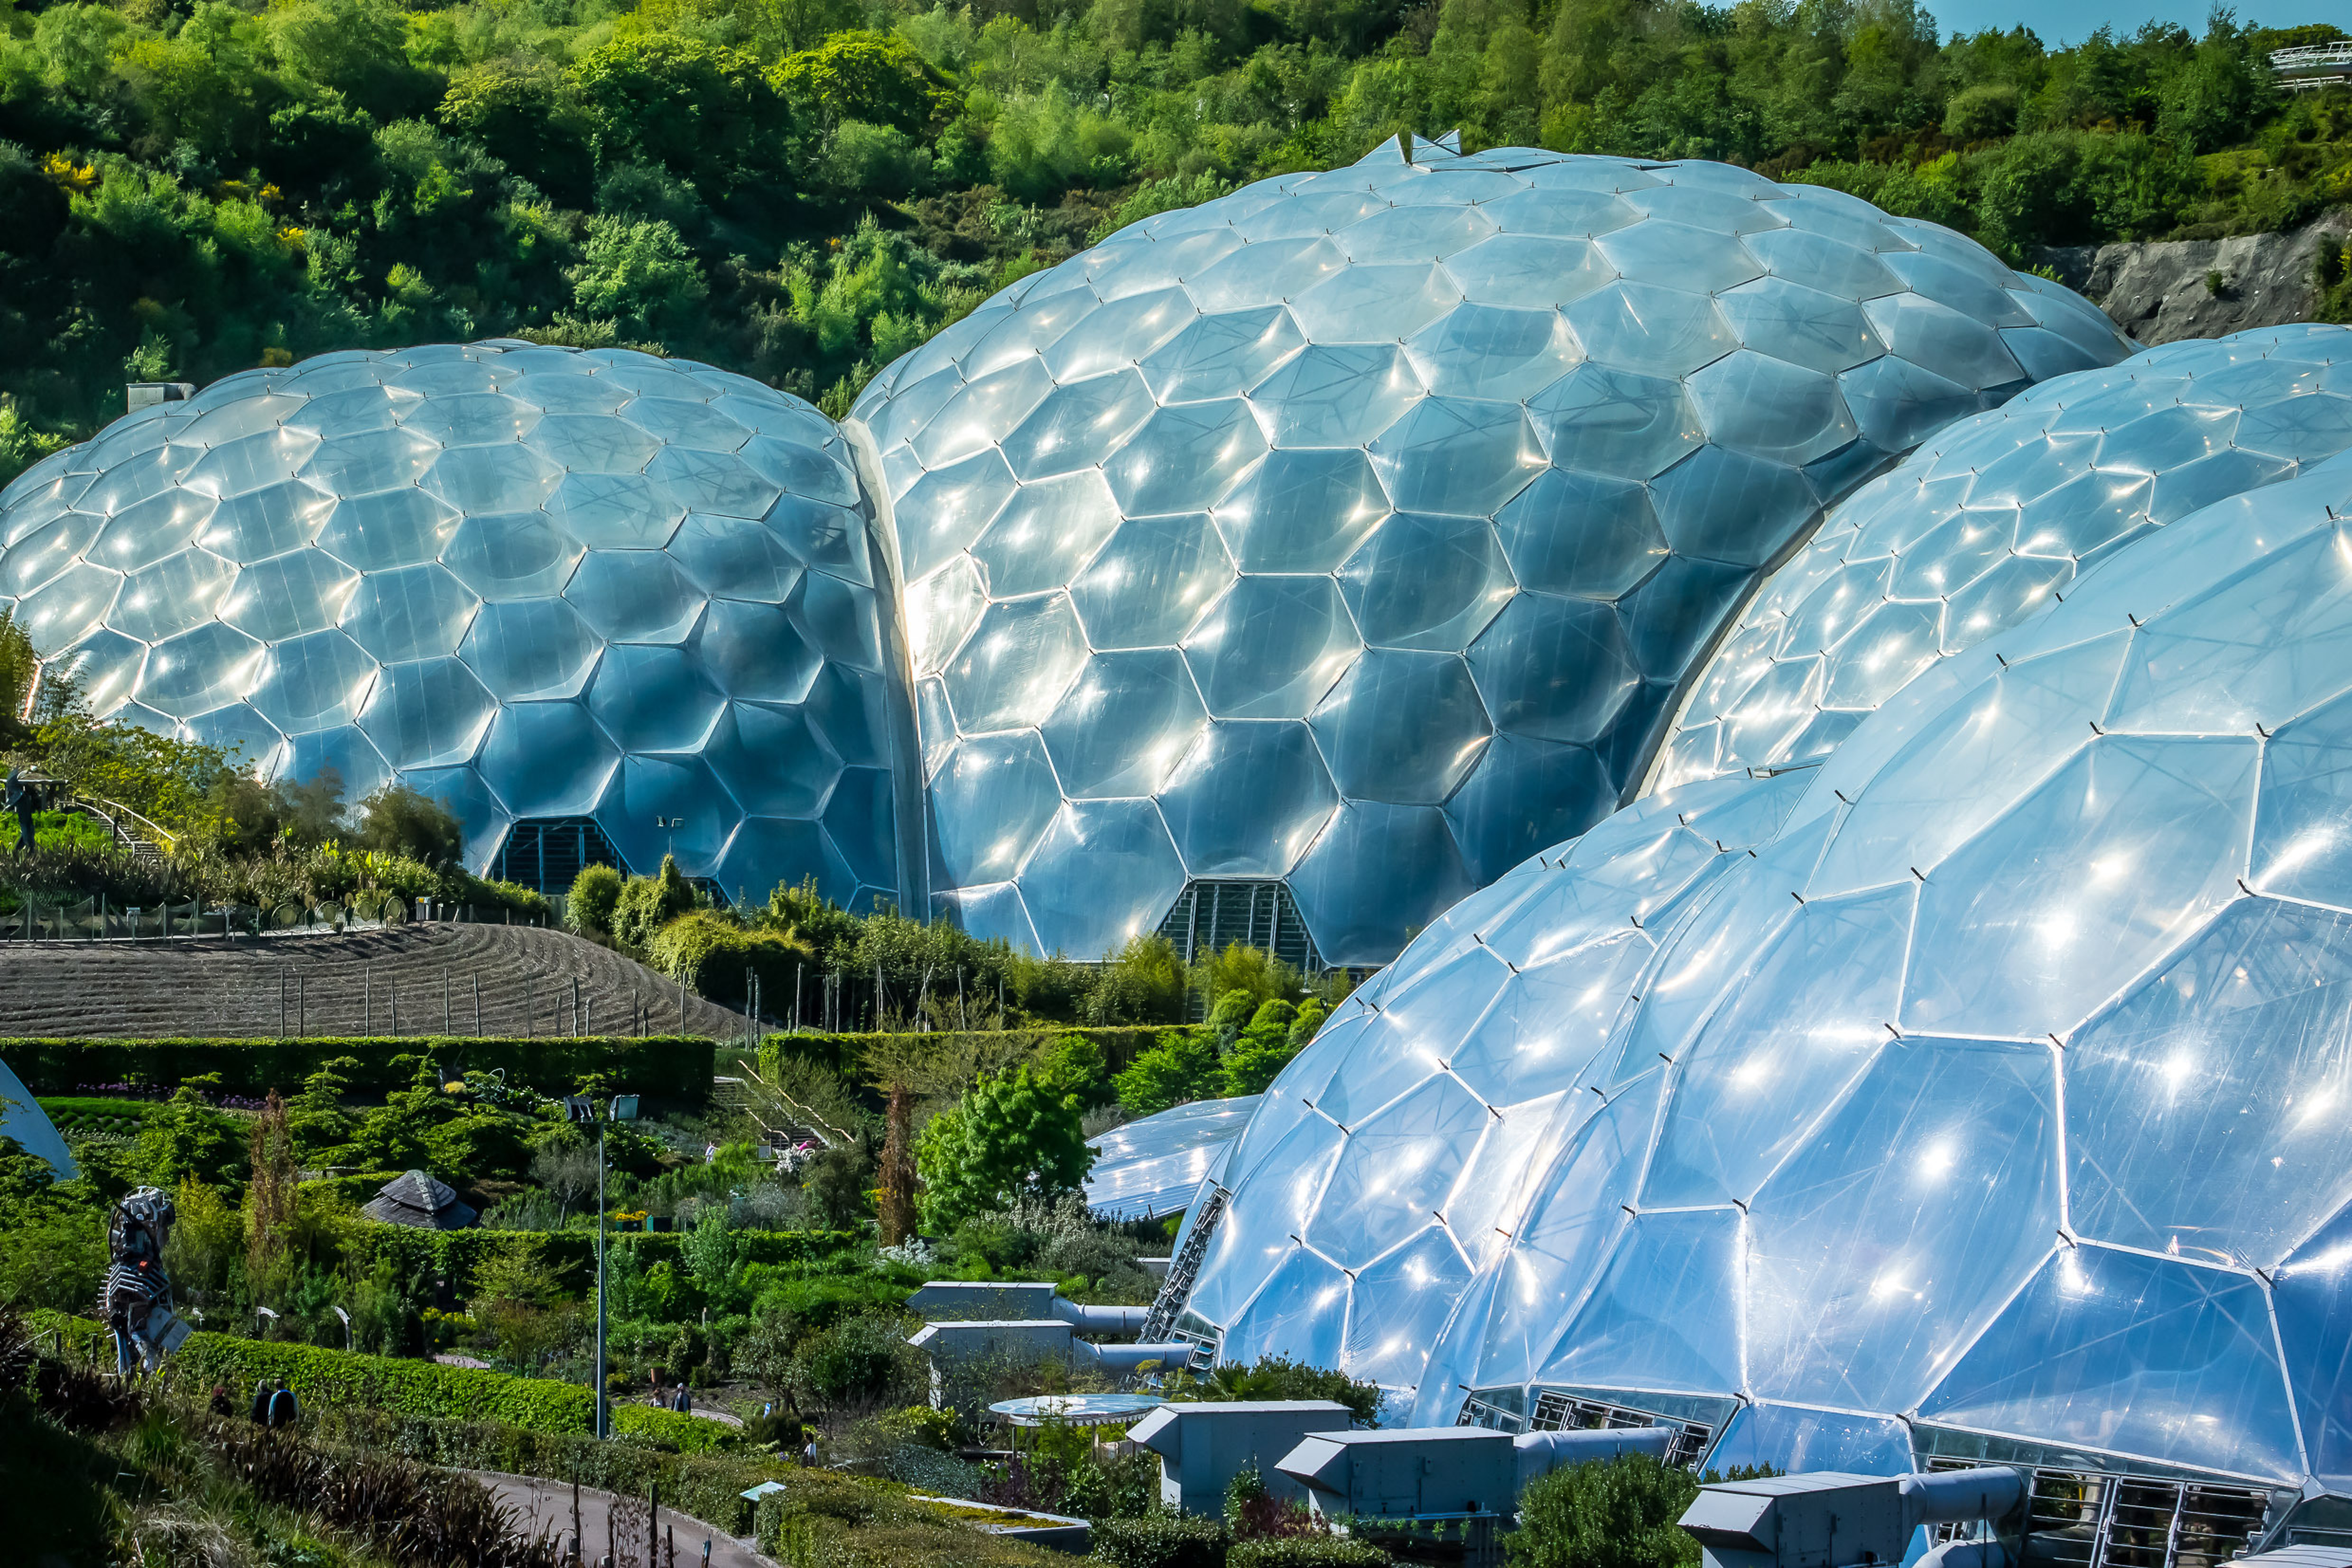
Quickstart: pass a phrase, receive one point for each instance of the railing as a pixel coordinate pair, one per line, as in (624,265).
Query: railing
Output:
(2312,64)
(37,918)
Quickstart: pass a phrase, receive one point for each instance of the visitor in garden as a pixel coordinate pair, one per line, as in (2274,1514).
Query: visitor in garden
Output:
(260,1411)
(285,1410)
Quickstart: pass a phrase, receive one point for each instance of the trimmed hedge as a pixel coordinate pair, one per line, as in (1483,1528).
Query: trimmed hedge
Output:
(1304,1552)
(668,1067)
(842,1052)
(322,1378)
(457,1255)
(81,1116)
(1161,1541)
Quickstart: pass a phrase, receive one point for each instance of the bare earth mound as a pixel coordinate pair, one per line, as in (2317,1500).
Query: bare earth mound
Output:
(413,979)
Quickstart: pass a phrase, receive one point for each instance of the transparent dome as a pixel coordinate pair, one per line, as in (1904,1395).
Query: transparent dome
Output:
(1988,519)
(1354,530)
(1981,1084)
(559,590)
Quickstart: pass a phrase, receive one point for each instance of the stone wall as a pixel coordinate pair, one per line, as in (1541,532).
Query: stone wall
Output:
(2160,291)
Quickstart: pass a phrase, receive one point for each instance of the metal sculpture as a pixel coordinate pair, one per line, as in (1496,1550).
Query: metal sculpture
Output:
(136,1300)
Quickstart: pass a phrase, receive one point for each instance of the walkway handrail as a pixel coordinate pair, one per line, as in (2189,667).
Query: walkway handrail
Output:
(808,1117)
(164,838)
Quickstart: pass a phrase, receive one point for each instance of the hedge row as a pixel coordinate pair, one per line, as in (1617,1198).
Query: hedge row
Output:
(457,1255)
(842,1052)
(669,1067)
(332,1379)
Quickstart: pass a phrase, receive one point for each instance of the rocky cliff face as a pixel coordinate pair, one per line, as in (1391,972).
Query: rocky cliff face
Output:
(2161,291)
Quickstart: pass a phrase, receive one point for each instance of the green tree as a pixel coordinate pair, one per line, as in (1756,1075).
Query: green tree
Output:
(1012,1137)
(701,110)
(1180,1066)
(1075,1065)
(647,903)
(523,115)
(595,892)
(1143,983)
(1263,1050)
(397,819)
(185,1137)
(1612,1513)
(874,78)
(638,275)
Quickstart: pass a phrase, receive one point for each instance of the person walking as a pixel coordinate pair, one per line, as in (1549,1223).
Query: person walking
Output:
(261,1403)
(285,1410)
(23,799)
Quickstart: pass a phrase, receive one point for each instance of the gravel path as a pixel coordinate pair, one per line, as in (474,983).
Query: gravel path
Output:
(544,1507)
(349,984)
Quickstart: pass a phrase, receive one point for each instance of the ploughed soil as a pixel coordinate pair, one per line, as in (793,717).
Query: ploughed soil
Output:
(423,979)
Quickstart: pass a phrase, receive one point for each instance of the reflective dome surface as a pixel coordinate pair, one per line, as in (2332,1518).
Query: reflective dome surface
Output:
(541,583)
(1984,522)
(1987,1079)
(1354,529)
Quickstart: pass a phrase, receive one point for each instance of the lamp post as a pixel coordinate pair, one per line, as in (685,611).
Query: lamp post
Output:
(347,1328)
(579,1108)
(260,1332)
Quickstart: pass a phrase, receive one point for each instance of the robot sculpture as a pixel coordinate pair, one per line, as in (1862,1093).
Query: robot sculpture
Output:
(136,1299)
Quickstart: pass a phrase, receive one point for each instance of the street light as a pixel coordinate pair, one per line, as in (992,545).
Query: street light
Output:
(259,1314)
(579,1108)
(347,1327)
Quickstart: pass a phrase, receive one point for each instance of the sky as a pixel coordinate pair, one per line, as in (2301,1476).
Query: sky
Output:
(2071,21)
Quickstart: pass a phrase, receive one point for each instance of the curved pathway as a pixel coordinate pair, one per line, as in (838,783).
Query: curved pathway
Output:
(544,1507)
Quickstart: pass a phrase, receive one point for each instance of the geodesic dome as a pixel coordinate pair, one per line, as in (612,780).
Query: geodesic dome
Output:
(1352,531)
(1976,529)
(570,592)
(1977,1092)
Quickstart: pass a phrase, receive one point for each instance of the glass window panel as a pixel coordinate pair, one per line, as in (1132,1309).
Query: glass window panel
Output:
(1401,727)
(770,759)
(413,613)
(1046,533)
(1272,647)
(1377,872)
(654,699)
(1104,866)
(2132,844)
(1248,799)
(1184,458)
(312,683)
(1427,582)
(634,595)
(1663,1314)
(614,511)
(1148,585)
(428,714)
(1335,395)
(537,648)
(2135,1355)
(1457,455)
(513,555)
(547,759)
(1016,665)
(1519,660)
(2200,1108)
(1302,511)
(176,594)
(199,671)
(394,528)
(1901,1225)
(992,802)
(1127,721)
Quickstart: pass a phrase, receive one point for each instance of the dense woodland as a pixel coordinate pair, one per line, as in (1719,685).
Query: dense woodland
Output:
(804,189)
